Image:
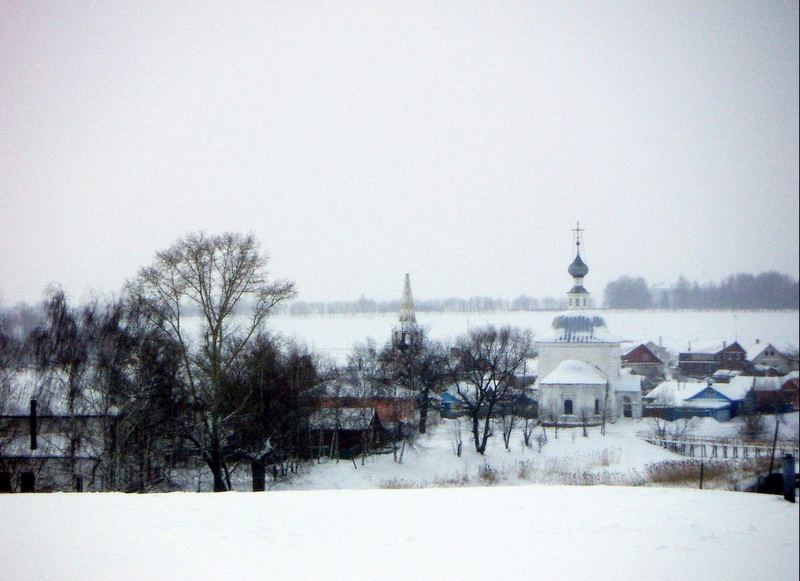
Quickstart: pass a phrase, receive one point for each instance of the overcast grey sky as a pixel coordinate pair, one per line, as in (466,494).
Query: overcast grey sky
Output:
(458,141)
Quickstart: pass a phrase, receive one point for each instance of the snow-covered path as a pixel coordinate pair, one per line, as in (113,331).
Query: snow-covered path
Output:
(520,532)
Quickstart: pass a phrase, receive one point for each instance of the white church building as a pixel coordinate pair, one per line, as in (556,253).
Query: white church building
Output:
(579,363)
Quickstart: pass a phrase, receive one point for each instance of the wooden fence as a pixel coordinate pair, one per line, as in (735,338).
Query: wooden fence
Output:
(721,448)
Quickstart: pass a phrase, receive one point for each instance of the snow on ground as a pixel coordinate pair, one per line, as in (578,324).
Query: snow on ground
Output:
(335,334)
(520,532)
(788,429)
(619,457)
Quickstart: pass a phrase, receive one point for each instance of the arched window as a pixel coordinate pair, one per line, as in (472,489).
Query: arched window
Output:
(568,407)
(597,406)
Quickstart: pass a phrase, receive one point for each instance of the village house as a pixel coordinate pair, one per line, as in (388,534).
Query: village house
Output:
(641,360)
(672,400)
(49,442)
(790,386)
(777,394)
(768,359)
(703,360)
(350,418)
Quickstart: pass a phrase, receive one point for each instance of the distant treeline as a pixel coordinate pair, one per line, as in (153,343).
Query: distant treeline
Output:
(453,305)
(767,290)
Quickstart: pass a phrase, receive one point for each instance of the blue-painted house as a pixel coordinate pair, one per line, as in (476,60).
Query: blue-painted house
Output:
(721,401)
(737,395)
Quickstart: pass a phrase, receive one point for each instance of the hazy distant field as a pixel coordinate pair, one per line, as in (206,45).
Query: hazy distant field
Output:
(335,334)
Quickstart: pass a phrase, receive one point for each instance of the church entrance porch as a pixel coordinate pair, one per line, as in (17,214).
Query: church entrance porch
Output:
(627,407)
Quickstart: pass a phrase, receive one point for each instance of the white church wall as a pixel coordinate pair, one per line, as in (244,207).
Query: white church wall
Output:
(552,398)
(604,356)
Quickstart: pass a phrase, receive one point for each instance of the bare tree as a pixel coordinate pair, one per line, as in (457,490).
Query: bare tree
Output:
(753,425)
(455,431)
(367,381)
(550,410)
(585,414)
(281,381)
(527,431)
(224,279)
(419,365)
(484,367)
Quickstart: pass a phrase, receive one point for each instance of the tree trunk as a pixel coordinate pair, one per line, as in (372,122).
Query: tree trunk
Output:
(215,465)
(485,438)
(259,470)
(476,431)
(423,412)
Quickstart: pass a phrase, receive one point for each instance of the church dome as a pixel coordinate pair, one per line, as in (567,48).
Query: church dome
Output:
(578,267)
(578,327)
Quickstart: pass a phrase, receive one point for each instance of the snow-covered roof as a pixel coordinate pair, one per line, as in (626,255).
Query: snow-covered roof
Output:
(791,375)
(754,349)
(709,346)
(727,373)
(574,372)
(739,386)
(51,396)
(628,382)
(714,404)
(628,347)
(675,391)
(578,326)
(50,446)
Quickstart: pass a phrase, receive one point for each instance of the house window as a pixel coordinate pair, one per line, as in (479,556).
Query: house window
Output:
(584,302)
(568,407)
(570,302)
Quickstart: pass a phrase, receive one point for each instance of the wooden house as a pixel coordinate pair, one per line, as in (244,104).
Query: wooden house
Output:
(641,360)
(767,359)
(48,443)
(704,360)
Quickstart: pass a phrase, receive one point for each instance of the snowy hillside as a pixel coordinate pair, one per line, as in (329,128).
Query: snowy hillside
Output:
(526,532)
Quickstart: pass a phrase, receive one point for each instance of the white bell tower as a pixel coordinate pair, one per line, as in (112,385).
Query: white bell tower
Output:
(578,296)
(407,331)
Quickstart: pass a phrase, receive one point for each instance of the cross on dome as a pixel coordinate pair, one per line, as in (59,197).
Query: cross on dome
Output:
(578,230)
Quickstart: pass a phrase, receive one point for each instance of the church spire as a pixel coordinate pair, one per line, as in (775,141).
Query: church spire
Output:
(578,296)
(407,304)
(404,335)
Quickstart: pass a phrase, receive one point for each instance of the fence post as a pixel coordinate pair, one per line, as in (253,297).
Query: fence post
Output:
(788,477)
(701,475)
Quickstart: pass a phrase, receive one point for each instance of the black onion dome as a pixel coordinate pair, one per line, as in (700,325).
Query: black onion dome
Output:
(578,267)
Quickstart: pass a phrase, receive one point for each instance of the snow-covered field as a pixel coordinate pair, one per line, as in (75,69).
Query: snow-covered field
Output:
(617,458)
(335,334)
(524,532)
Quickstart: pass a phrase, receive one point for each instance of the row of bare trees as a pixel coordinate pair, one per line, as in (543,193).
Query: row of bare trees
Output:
(163,388)
(160,388)
(484,369)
